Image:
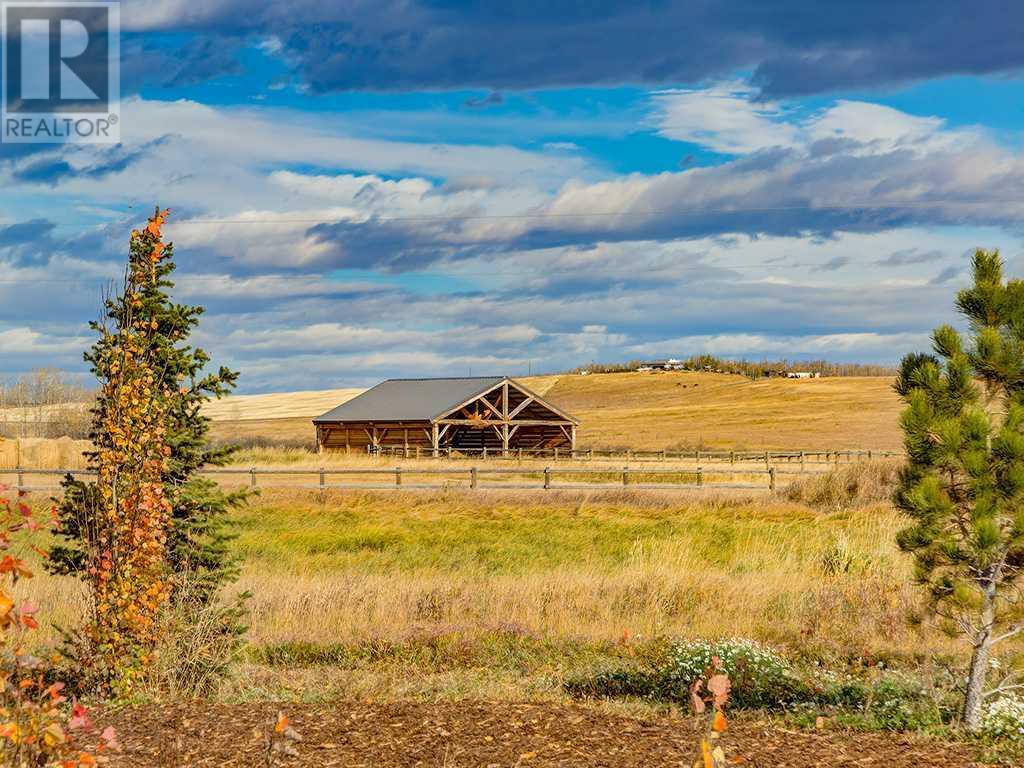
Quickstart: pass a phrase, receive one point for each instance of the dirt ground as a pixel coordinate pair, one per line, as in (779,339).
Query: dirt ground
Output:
(463,734)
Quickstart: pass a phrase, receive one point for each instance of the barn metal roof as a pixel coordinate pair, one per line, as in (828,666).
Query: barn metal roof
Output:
(410,399)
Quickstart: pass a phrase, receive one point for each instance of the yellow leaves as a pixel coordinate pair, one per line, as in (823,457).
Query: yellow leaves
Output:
(53,735)
(706,756)
(6,606)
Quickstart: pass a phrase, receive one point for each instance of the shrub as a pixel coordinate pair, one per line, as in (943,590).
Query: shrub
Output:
(1003,719)
(761,677)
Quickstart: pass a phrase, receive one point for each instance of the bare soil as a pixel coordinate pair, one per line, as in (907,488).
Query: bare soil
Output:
(392,734)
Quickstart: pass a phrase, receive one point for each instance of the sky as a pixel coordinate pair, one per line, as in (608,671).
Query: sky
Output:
(363,190)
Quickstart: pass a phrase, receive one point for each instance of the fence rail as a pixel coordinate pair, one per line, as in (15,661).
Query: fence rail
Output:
(473,478)
(828,457)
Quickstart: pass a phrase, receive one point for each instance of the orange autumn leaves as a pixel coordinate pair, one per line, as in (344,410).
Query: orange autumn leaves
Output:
(127,567)
(38,726)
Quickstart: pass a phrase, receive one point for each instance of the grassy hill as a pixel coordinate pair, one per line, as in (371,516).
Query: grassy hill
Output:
(647,411)
(672,410)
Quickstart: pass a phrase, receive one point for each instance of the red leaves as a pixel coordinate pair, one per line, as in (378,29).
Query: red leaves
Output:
(79,718)
(33,717)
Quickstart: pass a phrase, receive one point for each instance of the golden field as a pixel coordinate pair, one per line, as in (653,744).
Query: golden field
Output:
(648,411)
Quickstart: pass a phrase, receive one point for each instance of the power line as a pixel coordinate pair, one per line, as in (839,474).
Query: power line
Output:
(851,205)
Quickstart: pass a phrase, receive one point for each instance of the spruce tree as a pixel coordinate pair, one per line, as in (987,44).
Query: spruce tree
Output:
(197,532)
(963,484)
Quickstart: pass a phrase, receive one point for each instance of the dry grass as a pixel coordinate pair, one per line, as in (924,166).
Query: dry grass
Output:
(43,453)
(666,410)
(568,568)
(847,487)
(573,568)
(279,405)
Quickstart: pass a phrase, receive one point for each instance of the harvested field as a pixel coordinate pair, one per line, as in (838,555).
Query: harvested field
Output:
(646,412)
(402,734)
(667,410)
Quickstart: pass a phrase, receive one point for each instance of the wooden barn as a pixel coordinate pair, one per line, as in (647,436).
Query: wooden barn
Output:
(467,414)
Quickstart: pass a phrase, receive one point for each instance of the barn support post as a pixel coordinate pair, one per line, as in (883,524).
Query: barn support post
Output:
(319,439)
(348,442)
(572,440)
(505,420)
(435,440)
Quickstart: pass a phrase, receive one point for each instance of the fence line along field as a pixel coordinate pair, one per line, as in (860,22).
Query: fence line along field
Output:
(642,411)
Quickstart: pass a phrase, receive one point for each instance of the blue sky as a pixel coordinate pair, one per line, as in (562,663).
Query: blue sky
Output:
(431,187)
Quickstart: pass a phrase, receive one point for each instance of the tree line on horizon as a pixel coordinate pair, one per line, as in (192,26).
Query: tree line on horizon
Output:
(753,370)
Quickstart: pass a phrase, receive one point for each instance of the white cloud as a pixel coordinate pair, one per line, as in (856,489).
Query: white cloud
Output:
(724,119)
(727,119)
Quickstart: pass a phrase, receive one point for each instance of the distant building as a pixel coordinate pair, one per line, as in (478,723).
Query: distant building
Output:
(662,365)
(803,375)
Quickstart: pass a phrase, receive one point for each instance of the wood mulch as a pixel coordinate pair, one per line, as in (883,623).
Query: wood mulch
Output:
(485,734)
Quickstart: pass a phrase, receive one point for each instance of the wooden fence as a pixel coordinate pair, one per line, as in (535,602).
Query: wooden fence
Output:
(473,478)
(768,458)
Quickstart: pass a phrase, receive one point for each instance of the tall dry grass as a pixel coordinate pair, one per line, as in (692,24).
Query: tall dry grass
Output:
(846,487)
(565,567)
(364,568)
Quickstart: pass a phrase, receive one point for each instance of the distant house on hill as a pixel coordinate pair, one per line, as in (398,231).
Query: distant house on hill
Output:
(662,365)
(494,412)
(803,375)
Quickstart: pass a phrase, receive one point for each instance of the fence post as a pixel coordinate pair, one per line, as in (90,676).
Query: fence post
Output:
(802,466)
(484,454)
(771,478)
(590,454)
(472,477)
(625,475)
(663,456)
(700,476)
(398,476)
(767,460)
(547,478)
(556,454)
(252,477)
(21,478)
(732,457)
(519,455)
(869,454)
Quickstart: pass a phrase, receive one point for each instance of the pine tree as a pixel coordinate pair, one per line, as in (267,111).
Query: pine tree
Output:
(197,534)
(963,485)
